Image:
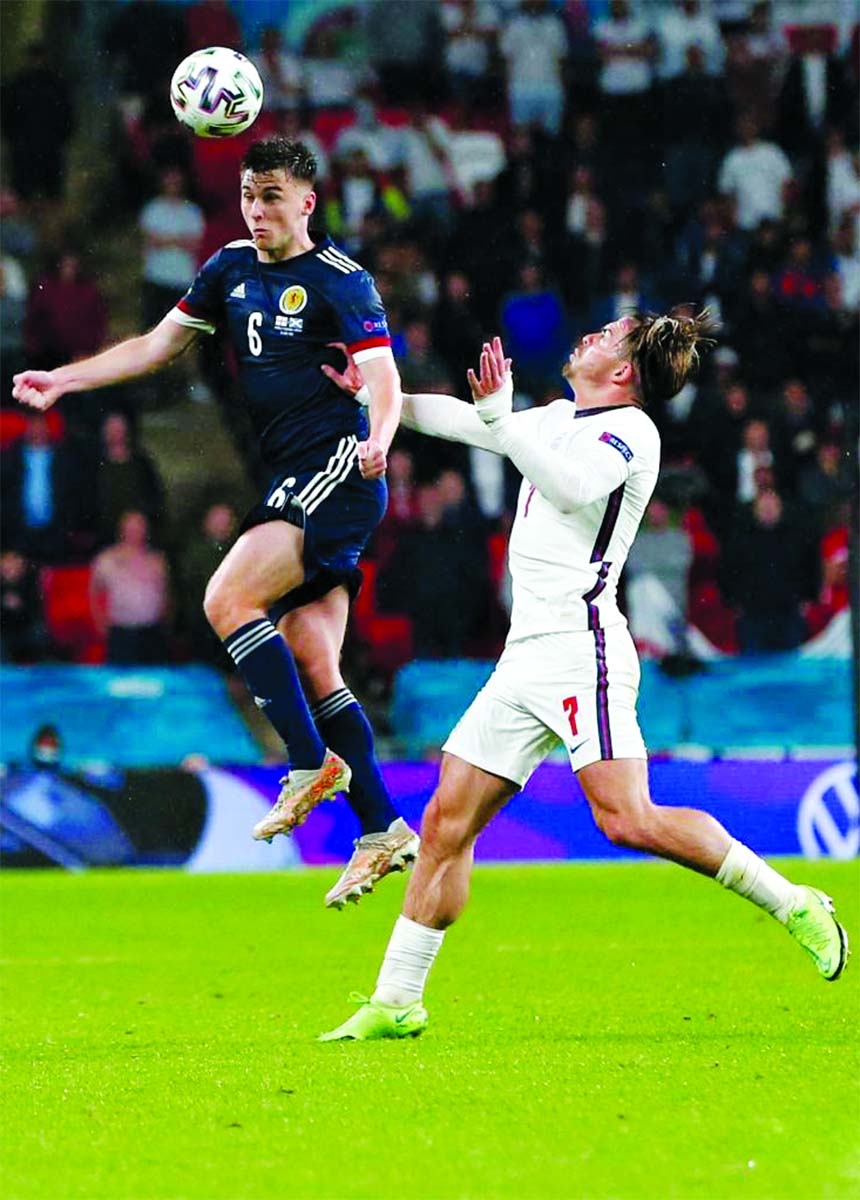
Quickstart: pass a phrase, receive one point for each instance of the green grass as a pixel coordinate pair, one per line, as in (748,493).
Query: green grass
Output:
(625,1031)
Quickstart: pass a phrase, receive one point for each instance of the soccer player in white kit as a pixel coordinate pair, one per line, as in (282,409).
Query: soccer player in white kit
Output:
(569,673)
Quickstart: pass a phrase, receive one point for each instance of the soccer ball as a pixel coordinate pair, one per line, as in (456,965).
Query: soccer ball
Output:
(216,92)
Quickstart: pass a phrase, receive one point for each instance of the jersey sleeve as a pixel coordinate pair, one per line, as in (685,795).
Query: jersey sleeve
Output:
(202,305)
(573,476)
(361,316)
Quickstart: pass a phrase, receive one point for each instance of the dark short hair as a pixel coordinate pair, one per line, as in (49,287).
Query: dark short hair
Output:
(279,153)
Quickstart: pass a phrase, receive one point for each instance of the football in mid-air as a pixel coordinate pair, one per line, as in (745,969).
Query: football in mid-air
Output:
(216,92)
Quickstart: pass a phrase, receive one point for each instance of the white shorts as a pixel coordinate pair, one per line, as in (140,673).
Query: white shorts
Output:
(573,689)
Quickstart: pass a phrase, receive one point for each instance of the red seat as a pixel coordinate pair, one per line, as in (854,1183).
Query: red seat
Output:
(388,635)
(13,425)
(68,615)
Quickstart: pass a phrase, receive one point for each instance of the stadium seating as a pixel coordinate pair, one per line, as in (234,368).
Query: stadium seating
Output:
(388,635)
(124,716)
(68,614)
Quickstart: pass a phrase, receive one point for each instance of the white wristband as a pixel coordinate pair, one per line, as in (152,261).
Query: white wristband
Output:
(362,396)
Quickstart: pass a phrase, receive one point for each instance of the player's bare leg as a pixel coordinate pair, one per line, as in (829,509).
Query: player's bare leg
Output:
(620,801)
(263,565)
(315,634)
(464,802)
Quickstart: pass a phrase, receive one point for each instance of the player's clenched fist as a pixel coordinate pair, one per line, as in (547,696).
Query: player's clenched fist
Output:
(371,459)
(36,389)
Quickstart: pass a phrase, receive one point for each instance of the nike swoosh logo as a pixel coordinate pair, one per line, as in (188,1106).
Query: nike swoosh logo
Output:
(401,1017)
(573,749)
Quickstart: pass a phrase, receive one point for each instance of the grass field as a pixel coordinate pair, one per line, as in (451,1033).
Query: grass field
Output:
(624,1031)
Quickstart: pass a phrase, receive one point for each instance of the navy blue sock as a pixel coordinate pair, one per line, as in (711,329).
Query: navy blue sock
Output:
(267,667)
(346,730)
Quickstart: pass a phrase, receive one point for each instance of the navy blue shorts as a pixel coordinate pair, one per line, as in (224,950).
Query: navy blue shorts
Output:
(338,511)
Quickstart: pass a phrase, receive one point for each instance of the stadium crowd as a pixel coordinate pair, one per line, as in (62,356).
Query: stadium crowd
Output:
(533,169)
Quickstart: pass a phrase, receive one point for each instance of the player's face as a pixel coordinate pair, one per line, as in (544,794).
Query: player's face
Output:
(276,207)
(596,355)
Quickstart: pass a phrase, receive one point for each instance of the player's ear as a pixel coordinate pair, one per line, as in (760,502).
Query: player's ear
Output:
(624,373)
(309,203)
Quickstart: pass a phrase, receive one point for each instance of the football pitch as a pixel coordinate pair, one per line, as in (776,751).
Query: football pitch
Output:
(596,1031)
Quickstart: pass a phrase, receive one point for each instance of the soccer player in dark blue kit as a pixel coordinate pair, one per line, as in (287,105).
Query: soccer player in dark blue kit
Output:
(279,600)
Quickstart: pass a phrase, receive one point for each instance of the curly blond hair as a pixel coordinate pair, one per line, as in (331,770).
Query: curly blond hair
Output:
(666,350)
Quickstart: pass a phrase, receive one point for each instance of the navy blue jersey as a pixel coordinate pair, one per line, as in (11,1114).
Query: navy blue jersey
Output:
(280,318)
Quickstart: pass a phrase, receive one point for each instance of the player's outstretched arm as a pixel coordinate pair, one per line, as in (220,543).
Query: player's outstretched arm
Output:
(432,413)
(127,360)
(383,382)
(566,485)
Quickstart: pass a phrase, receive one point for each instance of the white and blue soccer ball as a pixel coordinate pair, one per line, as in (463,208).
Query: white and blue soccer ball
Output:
(216,92)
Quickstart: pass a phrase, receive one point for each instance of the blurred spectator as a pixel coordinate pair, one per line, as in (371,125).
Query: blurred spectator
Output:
(354,193)
(38,120)
(43,490)
(626,297)
(711,260)
(172,228)
(535,329)
(753,61)
(456,331)
(280,72)
(533,43)
(755,175)
(716,433)
(20,237)
(795,428)
(584,240)
(212,23)
(130,596)
(846,262)
(696,121)
(404,39)
(145,42)
(834,596)
(800,279)
(759,334)
(424,153)
(23,637)
(825,483)
(843,181)
(766,247)
(437,575)
(483,222)
(13,309)
(755,452)
(421,368)
(126,478)
(813,97)
(470,28)
(657,575)
(627,50)
(201,554)
(369,133)
(330,78)
(828,345)
(769,570)
(684,26)
(66,315)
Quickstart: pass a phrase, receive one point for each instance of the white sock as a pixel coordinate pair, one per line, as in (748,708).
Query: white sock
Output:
(744,872)
(408,959)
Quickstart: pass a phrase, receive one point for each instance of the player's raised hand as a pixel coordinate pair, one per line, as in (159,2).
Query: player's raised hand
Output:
(493,388)
(371,459)
(36,389)
(348,380)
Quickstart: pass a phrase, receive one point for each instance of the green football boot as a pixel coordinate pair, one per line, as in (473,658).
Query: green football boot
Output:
(374,1020)
(813,924)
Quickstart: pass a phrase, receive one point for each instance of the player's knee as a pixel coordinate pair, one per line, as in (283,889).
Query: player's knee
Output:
(218,607)
(630,827)
(445,832)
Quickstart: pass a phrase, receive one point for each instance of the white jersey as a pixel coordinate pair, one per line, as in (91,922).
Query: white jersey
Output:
(565,566)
